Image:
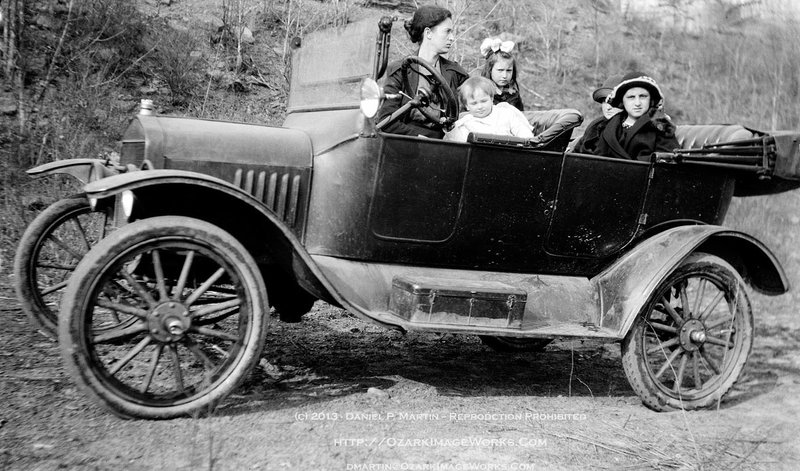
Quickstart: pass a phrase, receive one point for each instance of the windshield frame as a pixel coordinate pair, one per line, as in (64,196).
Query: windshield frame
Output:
(329,65)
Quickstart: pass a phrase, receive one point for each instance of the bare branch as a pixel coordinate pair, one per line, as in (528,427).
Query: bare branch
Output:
(56,53)
(133,64)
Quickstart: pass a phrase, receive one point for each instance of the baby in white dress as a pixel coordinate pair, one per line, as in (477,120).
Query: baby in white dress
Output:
(483,116)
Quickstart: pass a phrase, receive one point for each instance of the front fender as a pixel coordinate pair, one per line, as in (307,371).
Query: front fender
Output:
(131,181)
(626,286)
(268,238)
(84,170)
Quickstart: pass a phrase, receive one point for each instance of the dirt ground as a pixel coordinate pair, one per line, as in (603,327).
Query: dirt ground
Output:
(335,393)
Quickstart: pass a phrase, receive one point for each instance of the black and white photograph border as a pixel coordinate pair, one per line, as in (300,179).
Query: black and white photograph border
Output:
(330,390)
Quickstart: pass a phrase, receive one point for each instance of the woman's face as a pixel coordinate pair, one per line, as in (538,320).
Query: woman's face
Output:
(636,101)
(502,71)
(440,38)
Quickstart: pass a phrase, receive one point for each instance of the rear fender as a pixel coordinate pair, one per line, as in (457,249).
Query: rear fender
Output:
(84,170)
(626,286)
(268,238)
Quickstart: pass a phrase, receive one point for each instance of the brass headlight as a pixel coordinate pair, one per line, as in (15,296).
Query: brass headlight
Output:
(370,97)
(127,199)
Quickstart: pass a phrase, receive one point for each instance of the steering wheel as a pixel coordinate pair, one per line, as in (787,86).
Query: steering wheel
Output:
(446,96)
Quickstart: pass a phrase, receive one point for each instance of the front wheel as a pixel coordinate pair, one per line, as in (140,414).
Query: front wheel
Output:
(48,253)
(200,304)
(689,344)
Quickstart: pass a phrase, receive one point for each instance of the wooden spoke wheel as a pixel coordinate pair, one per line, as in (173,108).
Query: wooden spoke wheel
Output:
(689,344)
(48,253)
(199,301)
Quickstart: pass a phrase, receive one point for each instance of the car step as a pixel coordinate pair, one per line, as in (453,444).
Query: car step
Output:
(457,302)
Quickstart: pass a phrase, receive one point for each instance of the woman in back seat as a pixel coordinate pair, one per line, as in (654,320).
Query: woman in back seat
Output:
(642,127)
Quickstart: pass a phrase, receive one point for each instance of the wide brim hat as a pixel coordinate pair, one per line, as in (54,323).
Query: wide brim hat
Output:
(636,79)
(602,92)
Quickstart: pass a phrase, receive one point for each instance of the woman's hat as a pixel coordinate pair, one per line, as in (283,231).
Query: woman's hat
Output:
(605,89)
(636,79)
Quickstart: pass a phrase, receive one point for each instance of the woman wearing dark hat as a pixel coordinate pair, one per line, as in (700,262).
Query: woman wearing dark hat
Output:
(588,142)
(642,127)
(431,28)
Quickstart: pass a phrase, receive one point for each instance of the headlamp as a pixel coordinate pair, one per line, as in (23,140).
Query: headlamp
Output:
(370,97)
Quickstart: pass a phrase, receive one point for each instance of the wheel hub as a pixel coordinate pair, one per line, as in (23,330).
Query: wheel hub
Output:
(692,335)
(168,322)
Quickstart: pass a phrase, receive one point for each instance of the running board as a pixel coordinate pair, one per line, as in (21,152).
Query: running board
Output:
(469,301)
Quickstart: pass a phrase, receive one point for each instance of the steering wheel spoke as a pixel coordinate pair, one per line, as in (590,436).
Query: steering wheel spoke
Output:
(424,97)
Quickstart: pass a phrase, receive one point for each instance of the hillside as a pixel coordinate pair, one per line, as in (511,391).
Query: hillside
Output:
(83,67)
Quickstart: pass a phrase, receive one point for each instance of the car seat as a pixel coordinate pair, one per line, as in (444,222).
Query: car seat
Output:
(552,129)
(695,136)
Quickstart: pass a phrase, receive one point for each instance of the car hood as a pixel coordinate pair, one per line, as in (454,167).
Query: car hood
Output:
(163,138)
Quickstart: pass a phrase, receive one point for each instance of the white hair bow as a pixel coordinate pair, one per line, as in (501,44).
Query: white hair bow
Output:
(495,44)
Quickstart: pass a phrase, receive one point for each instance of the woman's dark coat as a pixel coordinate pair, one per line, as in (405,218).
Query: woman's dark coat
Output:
(453,74)
(587,144)
(652,132)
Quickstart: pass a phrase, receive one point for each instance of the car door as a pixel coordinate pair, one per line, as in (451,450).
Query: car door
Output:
(418,190)
(598,205)
(462,205)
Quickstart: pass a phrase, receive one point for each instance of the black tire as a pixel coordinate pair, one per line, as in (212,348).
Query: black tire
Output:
(689,344)
(201,307)
(292,312)
(514,344)
(290,301)
(48,253)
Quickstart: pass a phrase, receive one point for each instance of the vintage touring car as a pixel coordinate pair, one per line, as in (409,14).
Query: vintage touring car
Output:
(514,240)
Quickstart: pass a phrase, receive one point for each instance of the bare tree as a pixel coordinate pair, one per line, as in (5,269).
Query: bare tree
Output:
(233,16)
(56,53)
(12,18)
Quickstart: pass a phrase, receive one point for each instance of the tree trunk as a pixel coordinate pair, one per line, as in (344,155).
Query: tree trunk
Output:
(18,68)
(13,20)
(11,31)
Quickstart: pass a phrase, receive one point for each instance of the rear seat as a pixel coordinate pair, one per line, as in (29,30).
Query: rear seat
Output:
(551,131)
(787,166)
(694,136)
(553,128)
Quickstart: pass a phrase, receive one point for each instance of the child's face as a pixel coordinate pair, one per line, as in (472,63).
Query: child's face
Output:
(636,101)
(608,110)
(502,71)
(479,104)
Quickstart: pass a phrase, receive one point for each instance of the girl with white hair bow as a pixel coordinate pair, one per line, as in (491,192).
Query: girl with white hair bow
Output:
(501,68)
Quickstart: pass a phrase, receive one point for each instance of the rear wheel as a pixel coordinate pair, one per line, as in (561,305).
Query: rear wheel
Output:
(200,304)
(514,344)
(48,253)
(689,344)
